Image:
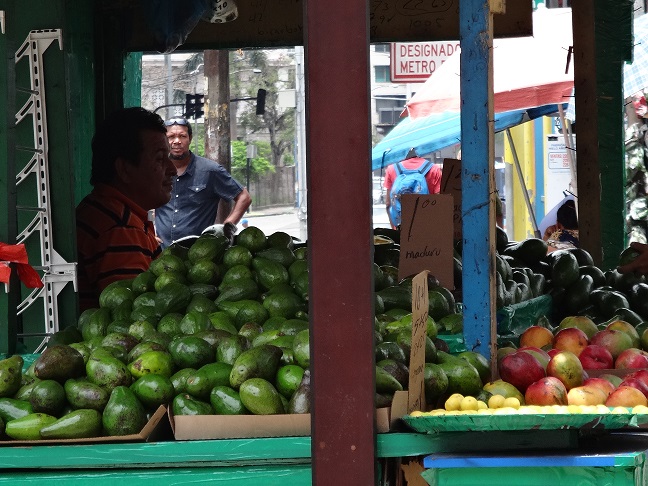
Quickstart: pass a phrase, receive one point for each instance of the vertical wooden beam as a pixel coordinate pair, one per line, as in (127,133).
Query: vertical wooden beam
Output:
(614,45)
(598,56)
(587,153)
(478,176)
(340,241)
(8,227)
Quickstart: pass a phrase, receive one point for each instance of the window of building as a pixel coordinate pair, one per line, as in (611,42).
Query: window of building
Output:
(382,47)
(382,74)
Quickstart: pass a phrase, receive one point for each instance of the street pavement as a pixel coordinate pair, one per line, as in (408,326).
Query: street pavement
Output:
(286,219)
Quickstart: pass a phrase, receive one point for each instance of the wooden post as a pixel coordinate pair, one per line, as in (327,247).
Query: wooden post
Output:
(477,177)
(340,241)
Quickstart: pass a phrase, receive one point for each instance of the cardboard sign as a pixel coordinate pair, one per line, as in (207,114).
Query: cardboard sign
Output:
(451,184)
(420,303)
(426,237)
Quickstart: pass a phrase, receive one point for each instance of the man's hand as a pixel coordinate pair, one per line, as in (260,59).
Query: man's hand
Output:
(229,230)
(640,264)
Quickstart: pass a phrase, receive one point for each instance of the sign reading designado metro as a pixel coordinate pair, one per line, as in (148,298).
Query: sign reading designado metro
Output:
(413,62)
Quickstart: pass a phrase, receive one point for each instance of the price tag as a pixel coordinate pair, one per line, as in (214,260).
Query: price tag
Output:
(420,302)
(451,184)
(426,237)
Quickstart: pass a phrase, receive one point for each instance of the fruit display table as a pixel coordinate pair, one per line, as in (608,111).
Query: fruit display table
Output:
(269,461)
(619,460)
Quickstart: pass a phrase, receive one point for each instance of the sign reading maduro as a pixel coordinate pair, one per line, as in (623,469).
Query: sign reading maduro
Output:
(426,237)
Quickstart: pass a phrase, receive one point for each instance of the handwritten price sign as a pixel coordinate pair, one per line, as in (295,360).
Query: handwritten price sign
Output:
(451,184)
(426,237)
(420,303)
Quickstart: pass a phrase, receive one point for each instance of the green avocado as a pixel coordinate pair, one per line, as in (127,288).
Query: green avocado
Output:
(82,394)
(124,413)
(11,375)
(153,390)
(78,424)
(59,362)
(200,382)
(260,397)
(258,362)
(226,401)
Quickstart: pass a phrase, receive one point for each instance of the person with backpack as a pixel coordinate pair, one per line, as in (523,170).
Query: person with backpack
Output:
(412,175)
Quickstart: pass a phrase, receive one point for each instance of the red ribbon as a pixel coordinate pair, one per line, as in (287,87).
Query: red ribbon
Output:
(18,254)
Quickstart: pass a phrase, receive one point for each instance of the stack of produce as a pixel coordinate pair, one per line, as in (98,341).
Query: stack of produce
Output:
(209,329)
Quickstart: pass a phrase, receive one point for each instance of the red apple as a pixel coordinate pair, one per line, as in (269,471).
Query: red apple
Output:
(626,396)
(567,368)
(612,340)
(631,358)
(628,328)
(600,383)
(540,354)
(570,339)
(553,352)
(520,369)
(546,391)
(595,357)
(583,323)
(536,336)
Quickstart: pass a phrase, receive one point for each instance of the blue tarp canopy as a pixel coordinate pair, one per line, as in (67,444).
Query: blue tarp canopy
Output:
(437,131)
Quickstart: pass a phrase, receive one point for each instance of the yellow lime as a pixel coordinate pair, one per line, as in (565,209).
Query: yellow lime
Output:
(620,410)
(639,409)
(526,410)
(512,402)
(496,401)
(453,402)
(574,409)
(468,403)
(481,405)
(504,411)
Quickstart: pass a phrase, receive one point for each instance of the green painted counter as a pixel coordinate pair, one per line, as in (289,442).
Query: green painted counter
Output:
(267,461)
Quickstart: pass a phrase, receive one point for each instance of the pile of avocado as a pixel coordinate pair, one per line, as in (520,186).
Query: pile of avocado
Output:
(210,328)
(577,286)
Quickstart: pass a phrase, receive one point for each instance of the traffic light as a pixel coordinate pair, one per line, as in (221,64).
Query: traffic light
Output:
(260,101)
(194,104)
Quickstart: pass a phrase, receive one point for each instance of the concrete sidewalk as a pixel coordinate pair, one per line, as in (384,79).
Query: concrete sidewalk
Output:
(270,211)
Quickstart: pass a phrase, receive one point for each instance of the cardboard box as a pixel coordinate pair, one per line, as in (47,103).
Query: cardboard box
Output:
(204,427)
(154,429)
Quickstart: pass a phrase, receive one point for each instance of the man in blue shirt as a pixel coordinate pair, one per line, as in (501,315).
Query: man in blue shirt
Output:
(197,189)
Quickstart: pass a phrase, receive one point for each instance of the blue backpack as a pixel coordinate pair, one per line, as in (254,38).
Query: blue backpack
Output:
(408,181)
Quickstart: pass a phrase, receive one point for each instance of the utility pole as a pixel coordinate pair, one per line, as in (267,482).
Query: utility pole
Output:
(169,84)
(217,115)
(300,135)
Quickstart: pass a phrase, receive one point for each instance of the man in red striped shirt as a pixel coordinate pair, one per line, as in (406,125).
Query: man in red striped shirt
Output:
(131,174)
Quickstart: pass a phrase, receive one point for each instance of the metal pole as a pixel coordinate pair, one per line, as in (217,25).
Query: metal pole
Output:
(300,132)
(169,83)
(536,231)
(251,152)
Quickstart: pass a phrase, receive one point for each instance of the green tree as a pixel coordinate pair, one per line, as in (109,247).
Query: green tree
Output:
(259,165)
(278,123)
